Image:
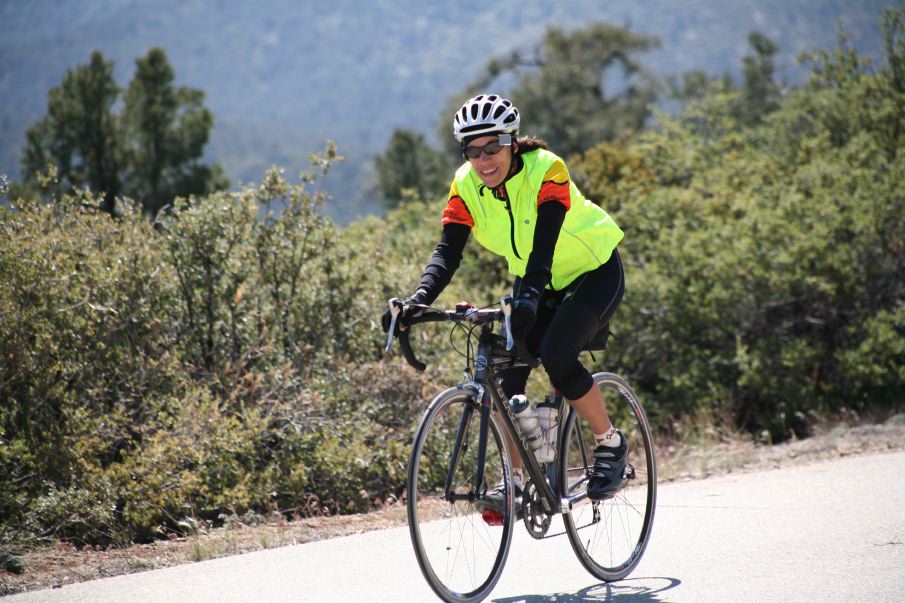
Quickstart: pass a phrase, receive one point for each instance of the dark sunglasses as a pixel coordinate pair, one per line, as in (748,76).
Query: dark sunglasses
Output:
(491,148)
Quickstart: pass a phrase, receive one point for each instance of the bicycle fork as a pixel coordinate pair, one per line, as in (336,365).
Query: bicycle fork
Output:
(460,447)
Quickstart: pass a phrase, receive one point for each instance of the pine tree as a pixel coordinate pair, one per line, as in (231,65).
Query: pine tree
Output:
(149,150)
(79,134)
(760,94)
(409,163)
(166,128)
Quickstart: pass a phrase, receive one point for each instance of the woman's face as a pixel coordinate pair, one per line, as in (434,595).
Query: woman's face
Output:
(491,169)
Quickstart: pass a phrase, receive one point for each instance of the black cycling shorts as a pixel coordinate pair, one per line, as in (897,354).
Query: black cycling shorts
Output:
(567,321)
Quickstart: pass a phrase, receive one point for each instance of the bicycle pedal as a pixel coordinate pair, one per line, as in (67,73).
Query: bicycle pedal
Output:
(492,518)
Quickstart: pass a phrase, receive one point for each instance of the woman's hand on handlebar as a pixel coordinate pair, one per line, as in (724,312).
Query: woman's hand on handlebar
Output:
(524,312)
(412,307)
(397,318)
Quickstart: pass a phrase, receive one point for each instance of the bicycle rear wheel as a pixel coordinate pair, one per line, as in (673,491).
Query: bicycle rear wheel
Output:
(609,536)
(460,555)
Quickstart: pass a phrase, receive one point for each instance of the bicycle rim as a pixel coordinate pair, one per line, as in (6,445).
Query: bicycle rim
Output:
(609,536)
(460,555)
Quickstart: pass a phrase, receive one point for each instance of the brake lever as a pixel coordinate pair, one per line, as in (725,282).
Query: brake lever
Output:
(395,310)
(506,304)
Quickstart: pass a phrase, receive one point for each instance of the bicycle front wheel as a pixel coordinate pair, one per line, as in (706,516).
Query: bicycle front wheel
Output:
(609,536)
(461,553)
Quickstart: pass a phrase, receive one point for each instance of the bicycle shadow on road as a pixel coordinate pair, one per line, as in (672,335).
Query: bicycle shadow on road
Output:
(632,590)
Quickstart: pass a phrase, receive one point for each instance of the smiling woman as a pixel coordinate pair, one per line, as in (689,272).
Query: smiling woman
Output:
(519,201)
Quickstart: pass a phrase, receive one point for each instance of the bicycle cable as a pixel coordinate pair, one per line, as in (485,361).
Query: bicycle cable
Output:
(468,334)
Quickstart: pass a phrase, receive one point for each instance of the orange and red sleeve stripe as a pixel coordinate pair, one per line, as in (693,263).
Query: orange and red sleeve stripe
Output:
(456,212)
(555,186)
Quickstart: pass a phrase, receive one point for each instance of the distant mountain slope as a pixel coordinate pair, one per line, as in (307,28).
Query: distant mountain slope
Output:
(282,76)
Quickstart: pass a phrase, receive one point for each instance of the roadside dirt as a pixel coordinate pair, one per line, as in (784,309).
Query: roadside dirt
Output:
(60,564)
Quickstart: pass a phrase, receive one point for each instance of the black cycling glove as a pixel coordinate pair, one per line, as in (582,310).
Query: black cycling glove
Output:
(413,307)
(524,312)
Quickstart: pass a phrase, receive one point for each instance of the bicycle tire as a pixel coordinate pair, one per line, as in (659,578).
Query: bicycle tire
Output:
(460,556)
(610,536)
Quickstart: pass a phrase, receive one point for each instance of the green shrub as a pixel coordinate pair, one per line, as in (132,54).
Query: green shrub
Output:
(764,264)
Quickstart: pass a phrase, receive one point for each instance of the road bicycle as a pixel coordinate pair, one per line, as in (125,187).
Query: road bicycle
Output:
(460,453)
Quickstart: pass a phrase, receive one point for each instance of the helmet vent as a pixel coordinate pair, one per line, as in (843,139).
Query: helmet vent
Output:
(485,114)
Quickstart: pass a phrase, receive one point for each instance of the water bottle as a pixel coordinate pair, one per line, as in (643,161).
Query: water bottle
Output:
(547,415)
(527,420)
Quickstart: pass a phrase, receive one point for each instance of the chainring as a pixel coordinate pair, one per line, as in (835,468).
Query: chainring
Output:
(537,521)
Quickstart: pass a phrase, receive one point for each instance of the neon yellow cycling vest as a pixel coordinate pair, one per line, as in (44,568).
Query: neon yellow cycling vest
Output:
(506,227)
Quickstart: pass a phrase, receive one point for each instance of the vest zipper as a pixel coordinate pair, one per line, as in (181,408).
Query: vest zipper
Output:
(512,228)
(505,198)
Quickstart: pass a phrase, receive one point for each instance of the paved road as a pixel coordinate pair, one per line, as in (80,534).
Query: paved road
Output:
(831,531)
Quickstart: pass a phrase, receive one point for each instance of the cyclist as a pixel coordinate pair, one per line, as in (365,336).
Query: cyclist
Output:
(517,199)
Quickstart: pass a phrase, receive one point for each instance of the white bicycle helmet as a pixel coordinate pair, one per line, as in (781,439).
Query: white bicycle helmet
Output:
(485,114)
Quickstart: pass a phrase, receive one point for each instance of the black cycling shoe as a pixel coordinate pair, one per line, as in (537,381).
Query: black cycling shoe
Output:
(609,469)
(494,500)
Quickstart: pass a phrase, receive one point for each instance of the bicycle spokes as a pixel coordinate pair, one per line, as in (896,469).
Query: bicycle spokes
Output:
(609,535)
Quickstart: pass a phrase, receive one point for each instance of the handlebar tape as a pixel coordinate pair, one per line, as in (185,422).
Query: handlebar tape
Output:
(408,353)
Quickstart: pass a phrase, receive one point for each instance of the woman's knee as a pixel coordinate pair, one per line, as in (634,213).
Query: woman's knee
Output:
(573,382)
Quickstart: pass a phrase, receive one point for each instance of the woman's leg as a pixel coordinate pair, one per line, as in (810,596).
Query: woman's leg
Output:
(585,310)
(592,409)
(581,316)
(515,380)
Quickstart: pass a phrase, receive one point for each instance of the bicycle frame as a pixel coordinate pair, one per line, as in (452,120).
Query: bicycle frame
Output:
(490,397)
